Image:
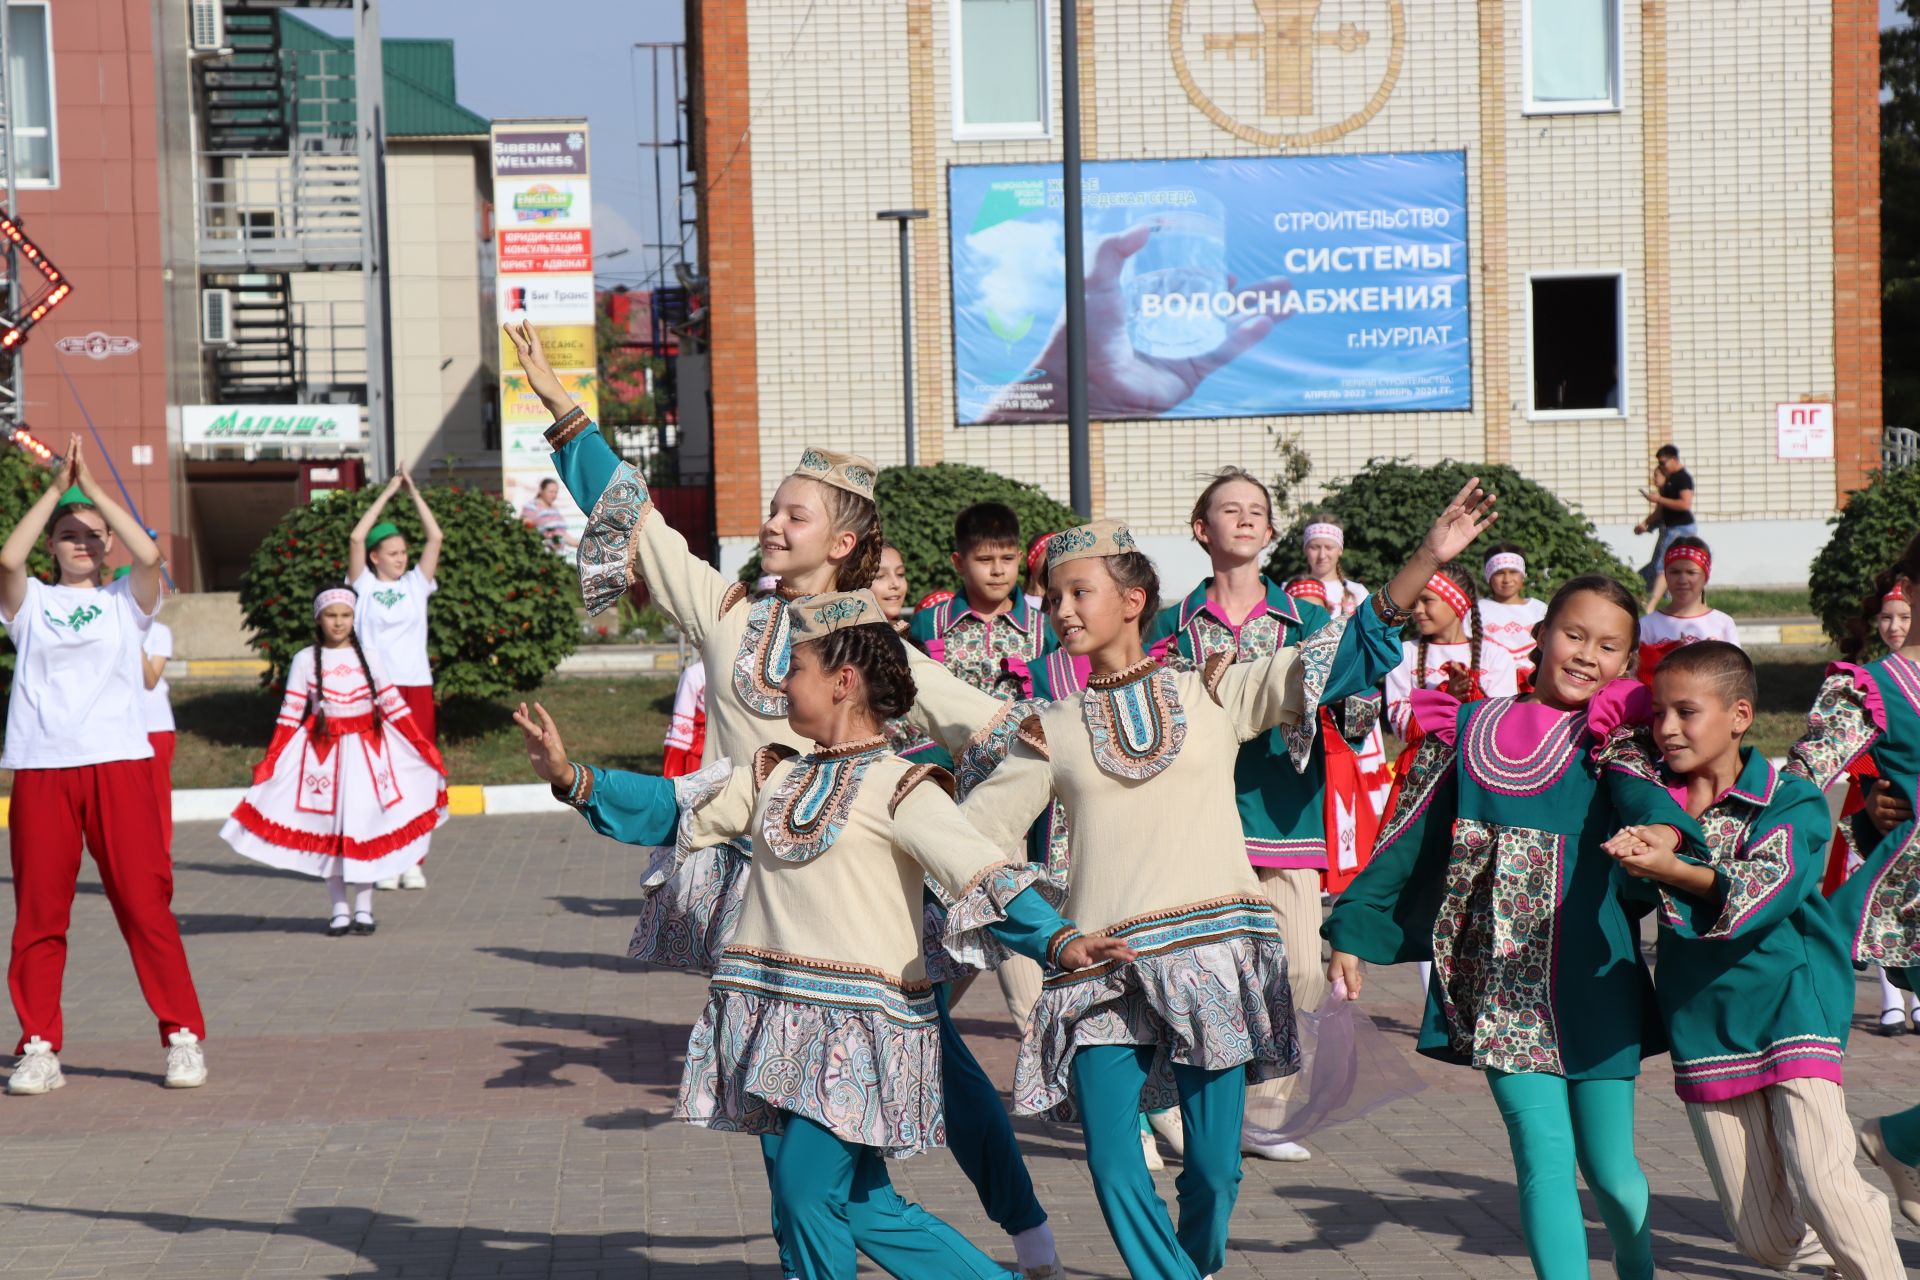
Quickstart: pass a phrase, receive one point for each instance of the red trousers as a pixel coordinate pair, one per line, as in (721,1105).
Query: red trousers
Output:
(163,782)
(113,807)
(419,700)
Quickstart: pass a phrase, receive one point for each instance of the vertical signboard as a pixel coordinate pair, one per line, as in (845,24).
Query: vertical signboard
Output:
(543,242)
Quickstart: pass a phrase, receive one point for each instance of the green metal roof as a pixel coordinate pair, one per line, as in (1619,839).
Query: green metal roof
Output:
(420,93)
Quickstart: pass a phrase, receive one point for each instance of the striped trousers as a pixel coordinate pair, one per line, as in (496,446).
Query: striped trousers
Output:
(1781,1160)
(1295,895)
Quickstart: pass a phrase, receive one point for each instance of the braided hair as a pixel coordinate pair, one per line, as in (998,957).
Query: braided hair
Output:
(876,651)
(1462,577)
(851,513)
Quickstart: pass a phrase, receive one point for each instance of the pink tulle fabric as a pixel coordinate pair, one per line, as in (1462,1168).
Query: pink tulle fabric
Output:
(1349,1068)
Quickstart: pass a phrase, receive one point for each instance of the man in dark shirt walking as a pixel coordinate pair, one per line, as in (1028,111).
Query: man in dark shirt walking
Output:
(1672,517)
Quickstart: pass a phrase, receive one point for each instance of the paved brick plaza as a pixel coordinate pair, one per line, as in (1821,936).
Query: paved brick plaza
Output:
(480,1090)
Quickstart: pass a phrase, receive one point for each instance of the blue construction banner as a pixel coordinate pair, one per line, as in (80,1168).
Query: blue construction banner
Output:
(1228,288)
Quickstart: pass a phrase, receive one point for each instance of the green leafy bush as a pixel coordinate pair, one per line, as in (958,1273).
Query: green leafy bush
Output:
(1390,503)
(501,621)
(1869,535)
(917,507)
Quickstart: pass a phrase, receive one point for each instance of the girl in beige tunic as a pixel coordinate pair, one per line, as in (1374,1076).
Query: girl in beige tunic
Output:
(1143,763)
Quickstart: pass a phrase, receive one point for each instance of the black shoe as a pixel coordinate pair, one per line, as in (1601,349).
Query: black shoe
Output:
(337,927)
(363,924)
(1897,1027)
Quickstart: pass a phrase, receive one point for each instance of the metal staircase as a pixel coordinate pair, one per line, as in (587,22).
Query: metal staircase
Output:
(244,98)
(257,367)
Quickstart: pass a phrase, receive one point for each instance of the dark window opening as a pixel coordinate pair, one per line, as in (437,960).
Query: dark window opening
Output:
(1576,344)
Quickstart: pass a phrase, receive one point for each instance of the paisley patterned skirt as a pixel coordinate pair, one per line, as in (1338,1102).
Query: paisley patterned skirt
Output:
(1208,989)
(854,1050)
(691,903)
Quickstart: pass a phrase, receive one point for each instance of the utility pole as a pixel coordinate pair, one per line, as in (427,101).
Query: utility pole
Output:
(906,218)
(1079,467)
(370,124)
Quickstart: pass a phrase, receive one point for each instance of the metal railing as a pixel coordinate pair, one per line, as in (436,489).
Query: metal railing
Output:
(303,210)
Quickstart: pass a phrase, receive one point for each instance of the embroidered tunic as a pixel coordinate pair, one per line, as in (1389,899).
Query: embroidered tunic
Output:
(1873,711)
(820,1005)
(746,646)
(1490,865)
(993,654)
(1282,809)
(1755,980)
(1142,763)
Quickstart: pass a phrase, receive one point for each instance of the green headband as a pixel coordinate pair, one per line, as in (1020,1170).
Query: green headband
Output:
(381,532)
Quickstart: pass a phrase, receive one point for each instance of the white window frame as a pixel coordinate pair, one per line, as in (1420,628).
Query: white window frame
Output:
(1596,106)
(52,131)
(1011,132)
(1624,409)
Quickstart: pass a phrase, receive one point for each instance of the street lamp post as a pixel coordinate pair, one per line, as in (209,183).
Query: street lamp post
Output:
(905,217)
(1079,468)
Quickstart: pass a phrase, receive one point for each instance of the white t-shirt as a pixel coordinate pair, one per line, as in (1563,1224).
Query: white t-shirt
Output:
(159,706)
(1511,627)
(1663,628)
(1498,679)
(77,687)
(391,618)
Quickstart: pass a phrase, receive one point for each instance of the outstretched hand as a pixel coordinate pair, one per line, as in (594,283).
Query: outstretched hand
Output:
(533,360)
(1466,517)
(1092,949)
(546,753)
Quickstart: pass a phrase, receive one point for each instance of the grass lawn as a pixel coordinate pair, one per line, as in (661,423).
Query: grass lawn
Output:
(1761,602)
(224,728)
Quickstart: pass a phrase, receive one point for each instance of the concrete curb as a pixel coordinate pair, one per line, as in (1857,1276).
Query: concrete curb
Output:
(214,804)
(593,660)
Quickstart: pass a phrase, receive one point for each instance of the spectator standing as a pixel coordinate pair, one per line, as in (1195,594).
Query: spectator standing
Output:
(1672,517)
(544,516)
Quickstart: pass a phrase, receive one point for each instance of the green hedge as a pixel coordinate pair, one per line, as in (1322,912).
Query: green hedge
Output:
(22,480)
(1869,535)
(501,621)
(1389,504)
(917,507)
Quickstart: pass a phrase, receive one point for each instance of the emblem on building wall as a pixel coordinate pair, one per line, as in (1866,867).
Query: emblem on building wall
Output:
(1255,66)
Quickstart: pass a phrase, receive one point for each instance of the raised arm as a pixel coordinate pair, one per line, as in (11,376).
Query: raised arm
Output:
(145,577)
(1847,718)
(429,562)
(623,529)
(633,808)
(19,543)
(357,540)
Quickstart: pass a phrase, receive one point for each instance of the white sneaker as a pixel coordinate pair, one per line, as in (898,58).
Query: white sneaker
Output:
(186,1061)
(1151,1150)
(413,878)
(391,882)
(1172,1132)
(1283,1151)
(38,1070)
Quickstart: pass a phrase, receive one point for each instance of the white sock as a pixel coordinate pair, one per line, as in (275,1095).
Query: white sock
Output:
(1034,1246)
(1892,998)
(1426,974)
(363,900)
(337,889)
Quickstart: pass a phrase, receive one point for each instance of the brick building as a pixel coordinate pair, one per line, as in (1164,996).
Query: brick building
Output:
(1716,181)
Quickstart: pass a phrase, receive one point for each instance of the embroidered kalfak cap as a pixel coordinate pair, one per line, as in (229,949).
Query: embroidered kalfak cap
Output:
(847,471)
(1101,538)
(815,616)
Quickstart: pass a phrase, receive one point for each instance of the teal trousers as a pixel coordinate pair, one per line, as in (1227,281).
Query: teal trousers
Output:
(1107,1080)
(1554,1126)
(1902,1133)
(834,1201)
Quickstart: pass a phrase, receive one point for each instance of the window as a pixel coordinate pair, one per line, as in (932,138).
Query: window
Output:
(1572,55)
(30,67)
(1576,343)
(999,69)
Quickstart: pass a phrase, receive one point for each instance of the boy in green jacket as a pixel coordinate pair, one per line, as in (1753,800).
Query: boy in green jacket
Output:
(1754,978)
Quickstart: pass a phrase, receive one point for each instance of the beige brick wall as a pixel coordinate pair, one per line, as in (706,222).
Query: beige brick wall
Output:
(845,124)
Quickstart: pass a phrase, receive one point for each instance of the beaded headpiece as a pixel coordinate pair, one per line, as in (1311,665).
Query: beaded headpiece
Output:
(1101,538)
(847,471)
(1503,560)
(1324,533)
(332,596)
(813,617)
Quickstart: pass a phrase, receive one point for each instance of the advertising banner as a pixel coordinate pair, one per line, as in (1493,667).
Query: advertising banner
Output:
(318,424)
(543,241)
(1226,288)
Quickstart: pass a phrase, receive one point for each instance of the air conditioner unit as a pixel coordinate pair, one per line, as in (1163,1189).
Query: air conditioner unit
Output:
(216,317)
(209,22)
